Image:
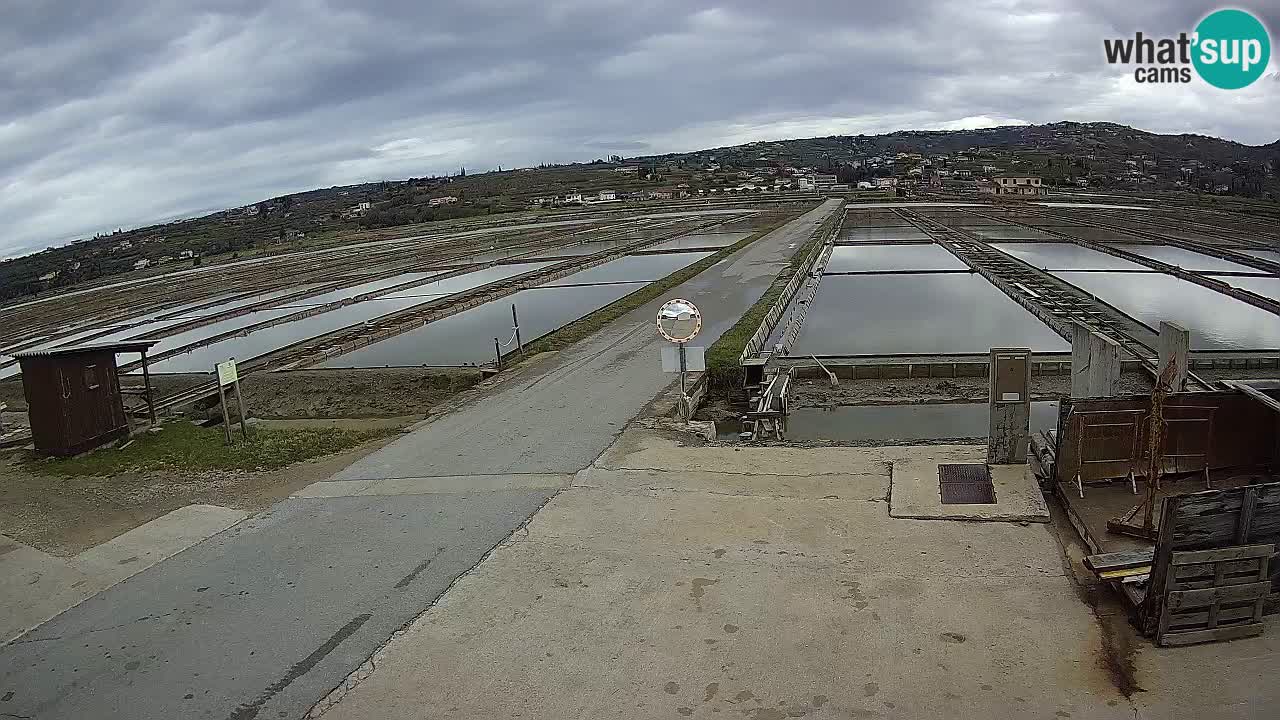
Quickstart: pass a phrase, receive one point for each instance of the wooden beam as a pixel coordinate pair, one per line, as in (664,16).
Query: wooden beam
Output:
(1254,393)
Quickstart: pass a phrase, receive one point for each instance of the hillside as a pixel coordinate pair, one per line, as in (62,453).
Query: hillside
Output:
(1067,138)
(1101,155)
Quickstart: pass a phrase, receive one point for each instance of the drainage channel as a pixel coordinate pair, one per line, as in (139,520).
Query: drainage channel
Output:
(1199,278)
(427,310)
(1057,303)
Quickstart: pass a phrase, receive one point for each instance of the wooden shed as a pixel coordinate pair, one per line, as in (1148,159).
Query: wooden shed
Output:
(73,395)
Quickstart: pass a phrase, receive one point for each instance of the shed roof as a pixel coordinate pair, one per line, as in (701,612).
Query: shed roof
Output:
(127,346)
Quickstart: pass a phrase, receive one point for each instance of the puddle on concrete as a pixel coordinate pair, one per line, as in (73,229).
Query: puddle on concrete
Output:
(1187,259)
(911,314)
(467,338)
(874,258)
(1216,321)
(1065,256)
(883,423)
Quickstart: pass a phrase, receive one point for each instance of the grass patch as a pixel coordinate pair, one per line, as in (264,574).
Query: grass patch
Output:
(723,369)
(187,447)
(588,324)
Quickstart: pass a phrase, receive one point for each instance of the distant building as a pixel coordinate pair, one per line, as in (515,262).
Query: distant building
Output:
(446,200)
(49,276)
(142,264)
(864,185)
(886,182)
(1015,185)
(186,255)
(572,198)
(823,181)
(607,196)
(627,169)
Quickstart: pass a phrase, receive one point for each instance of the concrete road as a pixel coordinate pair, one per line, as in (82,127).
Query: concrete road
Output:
(261,620)
(561,416)
(772,583)
(266,618)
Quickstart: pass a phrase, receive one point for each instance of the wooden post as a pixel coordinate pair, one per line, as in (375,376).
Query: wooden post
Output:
(226,417)
(244,419)
(516,322)
(497,351)
(146,382)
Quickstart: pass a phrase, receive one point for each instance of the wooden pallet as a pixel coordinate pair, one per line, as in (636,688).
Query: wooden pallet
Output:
(1212,595)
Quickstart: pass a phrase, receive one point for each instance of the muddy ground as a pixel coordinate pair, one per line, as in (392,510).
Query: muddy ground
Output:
(355,393)
(65,515)
(814,392)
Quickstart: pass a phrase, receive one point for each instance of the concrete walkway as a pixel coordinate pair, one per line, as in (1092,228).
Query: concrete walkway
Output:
(267,617)
(772,583)
(36,586)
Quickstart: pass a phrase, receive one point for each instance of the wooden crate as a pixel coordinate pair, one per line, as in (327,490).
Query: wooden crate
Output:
(1212,595)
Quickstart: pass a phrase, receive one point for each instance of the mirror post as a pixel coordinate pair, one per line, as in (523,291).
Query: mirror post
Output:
(682,368)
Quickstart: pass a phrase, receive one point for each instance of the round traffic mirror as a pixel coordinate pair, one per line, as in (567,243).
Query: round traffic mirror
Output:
(679,320)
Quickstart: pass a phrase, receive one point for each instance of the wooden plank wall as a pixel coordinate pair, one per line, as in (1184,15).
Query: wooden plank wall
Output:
(1245,433)
(1213,519)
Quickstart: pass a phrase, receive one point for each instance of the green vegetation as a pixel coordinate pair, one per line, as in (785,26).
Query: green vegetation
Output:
(187,447)
(724,373)
(585,326)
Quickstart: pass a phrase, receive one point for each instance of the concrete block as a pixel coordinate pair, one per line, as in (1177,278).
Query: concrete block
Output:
(1174,344)
(1095,364)
(161,538)
(914,493)
(35,586)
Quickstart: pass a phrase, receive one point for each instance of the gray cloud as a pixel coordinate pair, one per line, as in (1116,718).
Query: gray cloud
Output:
(121,113)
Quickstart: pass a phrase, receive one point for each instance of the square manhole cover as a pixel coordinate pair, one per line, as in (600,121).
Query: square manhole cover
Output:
(966,484)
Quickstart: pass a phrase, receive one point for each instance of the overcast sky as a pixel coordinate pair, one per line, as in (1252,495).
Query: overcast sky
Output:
(119,113)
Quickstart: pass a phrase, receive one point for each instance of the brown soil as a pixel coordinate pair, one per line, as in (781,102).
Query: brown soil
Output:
(357,393)
(65,515)
(813,392)
(11,394)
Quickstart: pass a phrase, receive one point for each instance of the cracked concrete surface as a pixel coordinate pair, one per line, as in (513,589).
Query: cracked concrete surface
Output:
(673,581)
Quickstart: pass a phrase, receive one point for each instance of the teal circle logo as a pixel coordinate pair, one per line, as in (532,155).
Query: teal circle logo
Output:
(1232,49)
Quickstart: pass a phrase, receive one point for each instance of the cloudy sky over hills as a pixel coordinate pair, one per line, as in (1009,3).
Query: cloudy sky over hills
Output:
(122,112)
